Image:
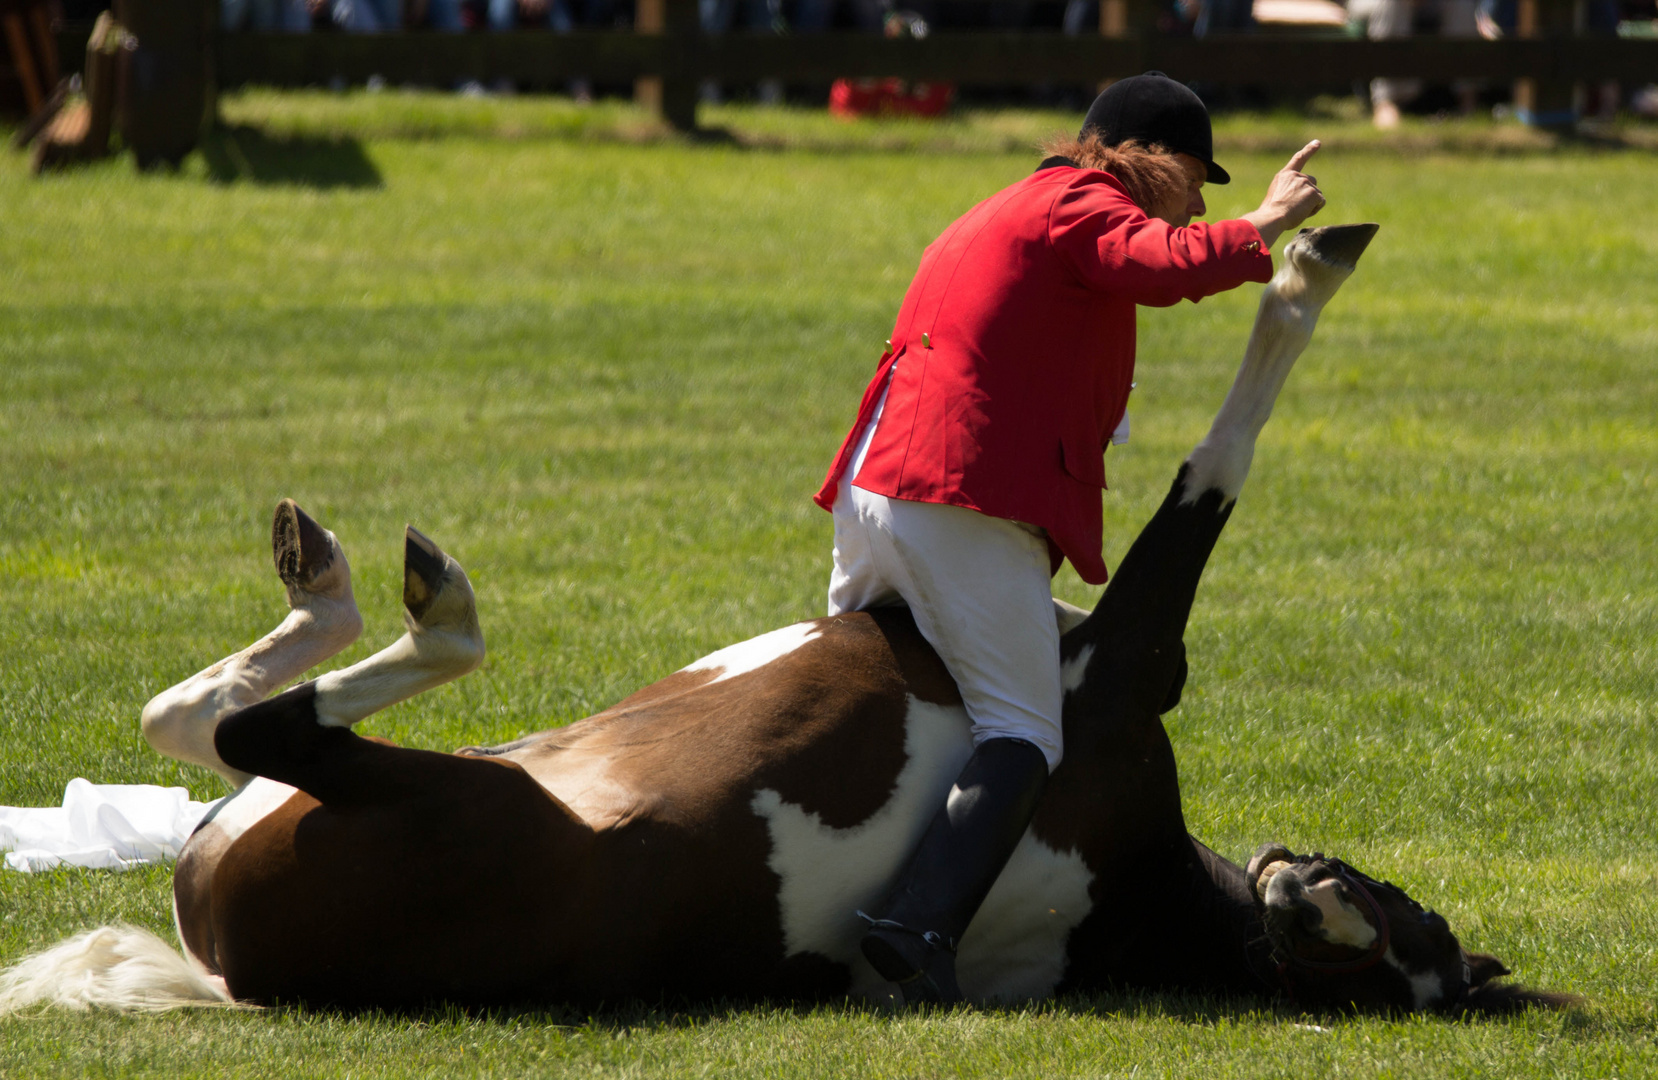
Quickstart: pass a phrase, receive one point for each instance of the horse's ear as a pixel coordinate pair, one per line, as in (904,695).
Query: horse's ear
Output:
(1482,968)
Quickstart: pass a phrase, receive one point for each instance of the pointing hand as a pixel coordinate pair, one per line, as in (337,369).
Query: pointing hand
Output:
(1291,198)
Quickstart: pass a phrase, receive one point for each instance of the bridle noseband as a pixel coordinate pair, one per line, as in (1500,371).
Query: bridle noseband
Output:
(1384,929)
(1285,961)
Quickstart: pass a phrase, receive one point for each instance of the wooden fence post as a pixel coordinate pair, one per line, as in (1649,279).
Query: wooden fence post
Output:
(168,88)
(1126,19)
(33,49)
(672,94)
(1113,19)
(1547,101)
(649,17)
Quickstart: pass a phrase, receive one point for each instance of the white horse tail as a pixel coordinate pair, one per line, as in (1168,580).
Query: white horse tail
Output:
(113,967)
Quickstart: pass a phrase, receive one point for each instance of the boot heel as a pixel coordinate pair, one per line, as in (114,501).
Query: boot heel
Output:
(889,958)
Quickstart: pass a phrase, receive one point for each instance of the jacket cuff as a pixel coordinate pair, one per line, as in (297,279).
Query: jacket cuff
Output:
(1239,239)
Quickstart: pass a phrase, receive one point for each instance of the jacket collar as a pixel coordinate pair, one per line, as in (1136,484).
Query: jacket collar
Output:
(1057,161)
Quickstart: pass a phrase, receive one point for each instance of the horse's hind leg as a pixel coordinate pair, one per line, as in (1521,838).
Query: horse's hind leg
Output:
(1133,639)
(301,737)
(443,641)
(179,722)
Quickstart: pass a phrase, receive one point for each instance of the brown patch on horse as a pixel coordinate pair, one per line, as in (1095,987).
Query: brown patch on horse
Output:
(193,893)
(807,724)
(823,725)
(360,903)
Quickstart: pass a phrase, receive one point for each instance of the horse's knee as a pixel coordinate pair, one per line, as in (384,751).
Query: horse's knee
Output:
(178,723)
(165,721)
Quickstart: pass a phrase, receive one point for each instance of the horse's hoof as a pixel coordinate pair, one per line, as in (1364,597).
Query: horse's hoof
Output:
(423,566)
(440,609)
(302,549)
(1339,244)
(436,592)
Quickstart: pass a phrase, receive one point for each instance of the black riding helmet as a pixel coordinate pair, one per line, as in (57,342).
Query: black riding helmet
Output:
(1153,108)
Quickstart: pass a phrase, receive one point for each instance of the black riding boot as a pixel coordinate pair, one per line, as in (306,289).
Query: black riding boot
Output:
(964,849)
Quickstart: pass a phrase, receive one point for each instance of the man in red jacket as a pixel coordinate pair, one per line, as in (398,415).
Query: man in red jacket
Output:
(975,466)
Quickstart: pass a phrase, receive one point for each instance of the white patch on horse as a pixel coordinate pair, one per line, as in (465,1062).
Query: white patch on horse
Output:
(246,807)
(422,659)
(1069,616)
(1425,986)
(1074,670)
(1342,923)
(746,656)
(1015,947)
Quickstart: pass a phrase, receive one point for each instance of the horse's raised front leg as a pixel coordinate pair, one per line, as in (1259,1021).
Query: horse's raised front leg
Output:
(1130,647)
(1316,263)
(295,737)
(322,619)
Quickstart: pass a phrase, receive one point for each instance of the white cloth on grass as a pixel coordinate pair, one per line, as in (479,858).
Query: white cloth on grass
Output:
(113,826)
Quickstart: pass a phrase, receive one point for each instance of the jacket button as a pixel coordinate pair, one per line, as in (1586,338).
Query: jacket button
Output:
(889,344)
(1253,245)
(926,342)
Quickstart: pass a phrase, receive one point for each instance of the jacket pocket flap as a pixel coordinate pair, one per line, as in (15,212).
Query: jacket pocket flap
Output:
(1084,465)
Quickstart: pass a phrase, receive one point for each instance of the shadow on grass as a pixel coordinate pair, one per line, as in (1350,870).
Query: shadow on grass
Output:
(670,1014)
(239,153)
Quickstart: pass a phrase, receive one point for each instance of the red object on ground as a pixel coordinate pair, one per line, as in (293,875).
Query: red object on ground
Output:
(853,98)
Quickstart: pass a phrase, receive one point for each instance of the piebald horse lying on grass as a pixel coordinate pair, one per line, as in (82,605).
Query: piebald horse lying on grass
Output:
(714,833)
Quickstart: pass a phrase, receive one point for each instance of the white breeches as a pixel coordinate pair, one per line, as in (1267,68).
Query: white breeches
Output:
(981,594)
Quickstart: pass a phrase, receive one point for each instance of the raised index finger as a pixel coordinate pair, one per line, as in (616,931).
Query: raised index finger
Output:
(1303,155)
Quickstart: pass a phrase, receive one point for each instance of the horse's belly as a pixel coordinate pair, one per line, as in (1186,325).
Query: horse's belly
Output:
(1016,946)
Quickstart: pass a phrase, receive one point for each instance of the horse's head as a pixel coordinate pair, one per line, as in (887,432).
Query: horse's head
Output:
(1340,938)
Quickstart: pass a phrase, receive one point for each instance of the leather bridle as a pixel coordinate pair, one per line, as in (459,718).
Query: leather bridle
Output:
(1286,961)
(1373,952)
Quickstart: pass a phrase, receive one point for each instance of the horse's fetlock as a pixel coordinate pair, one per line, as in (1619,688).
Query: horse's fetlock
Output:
(329,624)
(456,652)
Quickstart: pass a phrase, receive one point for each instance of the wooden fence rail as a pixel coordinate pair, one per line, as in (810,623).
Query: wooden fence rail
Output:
(668,56)
(980,59)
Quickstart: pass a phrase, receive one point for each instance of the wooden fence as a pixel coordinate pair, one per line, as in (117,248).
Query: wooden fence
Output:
(667,55)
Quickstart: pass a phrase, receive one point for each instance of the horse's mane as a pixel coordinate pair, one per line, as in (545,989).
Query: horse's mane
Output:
(1488,997)
(1496,999)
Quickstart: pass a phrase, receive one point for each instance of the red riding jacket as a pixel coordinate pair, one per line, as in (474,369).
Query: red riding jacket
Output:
(1013,352)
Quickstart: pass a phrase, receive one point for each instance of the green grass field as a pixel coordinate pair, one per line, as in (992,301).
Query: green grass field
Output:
(606,369)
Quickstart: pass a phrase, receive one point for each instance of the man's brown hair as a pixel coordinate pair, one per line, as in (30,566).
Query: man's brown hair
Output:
(1152,175)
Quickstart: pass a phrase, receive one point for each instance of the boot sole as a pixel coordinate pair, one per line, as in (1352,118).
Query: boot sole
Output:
(887,961)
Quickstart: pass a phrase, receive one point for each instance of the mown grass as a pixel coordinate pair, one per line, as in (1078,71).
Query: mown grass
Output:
(606,373)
